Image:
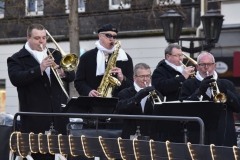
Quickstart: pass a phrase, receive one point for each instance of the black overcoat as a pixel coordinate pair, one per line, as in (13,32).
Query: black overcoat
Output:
(225,134)
(86,78)
(167,81)
(35,92)
(126,105)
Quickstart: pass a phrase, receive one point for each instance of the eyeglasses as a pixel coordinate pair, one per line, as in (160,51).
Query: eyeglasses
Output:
(206,64)
(178,55)
(109,35)
(144,76)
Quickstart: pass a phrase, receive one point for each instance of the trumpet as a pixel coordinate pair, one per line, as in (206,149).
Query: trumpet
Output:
(154,96)
(217,96)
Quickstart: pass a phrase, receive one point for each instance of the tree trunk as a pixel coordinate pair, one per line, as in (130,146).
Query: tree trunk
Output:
(73,25)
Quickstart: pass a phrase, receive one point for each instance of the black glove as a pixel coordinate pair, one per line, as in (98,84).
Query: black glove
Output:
(206,82)
(143,93)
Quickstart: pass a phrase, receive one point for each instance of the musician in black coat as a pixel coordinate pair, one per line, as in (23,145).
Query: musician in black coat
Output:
(200,88)
(169,74)
(38,89)
(94,62)
(134,101)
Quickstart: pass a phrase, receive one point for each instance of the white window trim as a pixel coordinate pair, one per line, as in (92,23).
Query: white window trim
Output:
(67,9)
(176,1)
(36,13)
(2,14)
(116,6)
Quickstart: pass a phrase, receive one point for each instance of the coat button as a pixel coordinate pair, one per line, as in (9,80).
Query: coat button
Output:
(45,85)
(58,96)
(32,71)
(50,96)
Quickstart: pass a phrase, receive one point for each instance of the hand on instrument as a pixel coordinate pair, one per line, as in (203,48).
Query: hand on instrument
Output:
(46,62)
(143,93)
(93,93)
(188,71)
(117,71)
(59,70)
(206,82)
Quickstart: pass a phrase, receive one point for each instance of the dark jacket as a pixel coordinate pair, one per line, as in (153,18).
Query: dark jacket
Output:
(126,105)
(35,92)
(86,78)
(167,81)
(225,134)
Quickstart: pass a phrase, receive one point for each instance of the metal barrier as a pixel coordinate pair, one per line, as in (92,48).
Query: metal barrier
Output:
(117,116)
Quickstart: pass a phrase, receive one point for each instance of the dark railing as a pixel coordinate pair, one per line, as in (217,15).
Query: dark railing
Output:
(117,116)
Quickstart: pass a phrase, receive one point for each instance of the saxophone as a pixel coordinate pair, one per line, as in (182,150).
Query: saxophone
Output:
(108,81)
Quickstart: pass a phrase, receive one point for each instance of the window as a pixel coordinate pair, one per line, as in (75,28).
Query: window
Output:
(119,4)
(2,5)
(81,5)
(34,7)
(161,2)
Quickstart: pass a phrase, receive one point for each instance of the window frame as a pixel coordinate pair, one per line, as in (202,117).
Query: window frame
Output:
(177,2)
(36,12)
(2,14)
(116,6)
(67,9)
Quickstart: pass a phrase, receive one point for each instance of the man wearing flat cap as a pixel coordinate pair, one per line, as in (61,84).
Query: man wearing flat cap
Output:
(94,62)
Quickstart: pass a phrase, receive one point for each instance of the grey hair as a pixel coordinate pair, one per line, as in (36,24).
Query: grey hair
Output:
(140,66)
(204,53)
(169,48)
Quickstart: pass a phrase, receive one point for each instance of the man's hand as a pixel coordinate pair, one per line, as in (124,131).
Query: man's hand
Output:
(46,62)
(188,71)
(117,71)
(93,93)
(60,71)
(206,82)
(143,93)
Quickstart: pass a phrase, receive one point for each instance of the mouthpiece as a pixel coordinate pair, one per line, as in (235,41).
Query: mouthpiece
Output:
(207,73)
(41,46)
(145,83)
(112,43)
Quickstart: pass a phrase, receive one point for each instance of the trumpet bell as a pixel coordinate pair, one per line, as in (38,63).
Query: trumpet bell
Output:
(220,97)
(69,62)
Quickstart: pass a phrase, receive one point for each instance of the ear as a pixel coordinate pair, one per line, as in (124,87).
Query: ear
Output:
(134,78)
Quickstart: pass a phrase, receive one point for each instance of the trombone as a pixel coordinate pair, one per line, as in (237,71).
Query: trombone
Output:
(189,60)
(217,96)
(68,62)
(56,73)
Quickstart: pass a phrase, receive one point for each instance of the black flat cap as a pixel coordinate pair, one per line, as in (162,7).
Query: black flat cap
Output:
(108,27)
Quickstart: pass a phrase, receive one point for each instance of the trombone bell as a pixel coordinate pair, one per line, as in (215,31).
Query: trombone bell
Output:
(69,61)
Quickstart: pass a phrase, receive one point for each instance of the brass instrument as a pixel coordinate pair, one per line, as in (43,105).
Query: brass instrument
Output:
(56,74)
(108,82)
(154,96)
(69,61)
(189,60)
(217,96)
